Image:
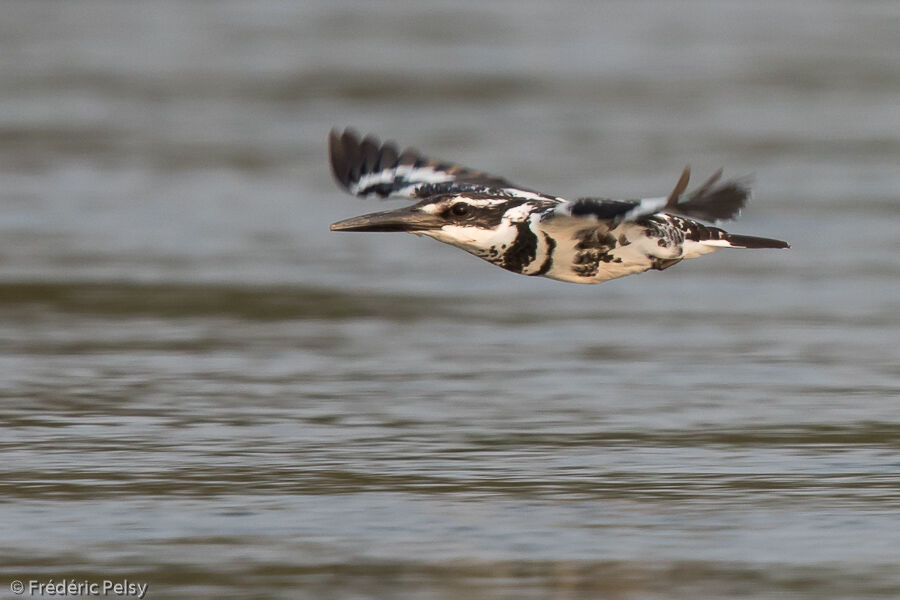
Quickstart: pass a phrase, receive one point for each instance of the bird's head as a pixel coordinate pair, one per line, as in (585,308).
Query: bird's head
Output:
(474,222)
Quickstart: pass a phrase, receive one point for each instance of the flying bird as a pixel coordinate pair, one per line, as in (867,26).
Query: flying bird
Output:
(588,240)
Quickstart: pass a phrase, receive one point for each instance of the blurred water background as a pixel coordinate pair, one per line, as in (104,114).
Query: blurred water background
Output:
(205,390)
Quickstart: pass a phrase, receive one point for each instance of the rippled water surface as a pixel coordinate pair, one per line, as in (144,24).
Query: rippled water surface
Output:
(205,390)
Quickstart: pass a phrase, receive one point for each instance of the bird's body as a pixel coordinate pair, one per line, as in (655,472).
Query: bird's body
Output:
(589,240)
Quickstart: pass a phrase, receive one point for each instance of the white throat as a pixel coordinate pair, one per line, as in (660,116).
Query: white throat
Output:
(476,239)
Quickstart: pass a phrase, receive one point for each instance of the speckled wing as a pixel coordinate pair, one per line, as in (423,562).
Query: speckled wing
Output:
(366,167)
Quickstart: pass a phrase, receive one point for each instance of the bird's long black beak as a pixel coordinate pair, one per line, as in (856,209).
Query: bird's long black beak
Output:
(409,219)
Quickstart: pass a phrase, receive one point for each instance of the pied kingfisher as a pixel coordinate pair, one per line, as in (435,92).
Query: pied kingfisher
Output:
(589,240)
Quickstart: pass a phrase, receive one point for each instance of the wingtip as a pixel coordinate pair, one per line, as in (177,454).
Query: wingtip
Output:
(336,157)
(343,146)
(679,188)
(714,200)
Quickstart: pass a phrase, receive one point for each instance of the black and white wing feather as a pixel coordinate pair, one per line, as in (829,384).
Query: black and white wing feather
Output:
(712,201)
(367,167)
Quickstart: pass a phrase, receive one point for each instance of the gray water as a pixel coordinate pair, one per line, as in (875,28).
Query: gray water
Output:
(205,390)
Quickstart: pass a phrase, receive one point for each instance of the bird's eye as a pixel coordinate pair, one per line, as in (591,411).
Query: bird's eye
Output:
(460,209)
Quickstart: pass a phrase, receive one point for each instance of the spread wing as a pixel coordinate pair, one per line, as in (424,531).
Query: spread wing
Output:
(367,167)
(712,201)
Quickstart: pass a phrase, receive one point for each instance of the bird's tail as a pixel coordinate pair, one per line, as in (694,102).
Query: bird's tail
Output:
(749,241)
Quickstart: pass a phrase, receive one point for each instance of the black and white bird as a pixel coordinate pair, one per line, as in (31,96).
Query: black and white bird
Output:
(588,240)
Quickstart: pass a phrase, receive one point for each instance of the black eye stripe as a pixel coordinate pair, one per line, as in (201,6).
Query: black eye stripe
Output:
(485,216)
